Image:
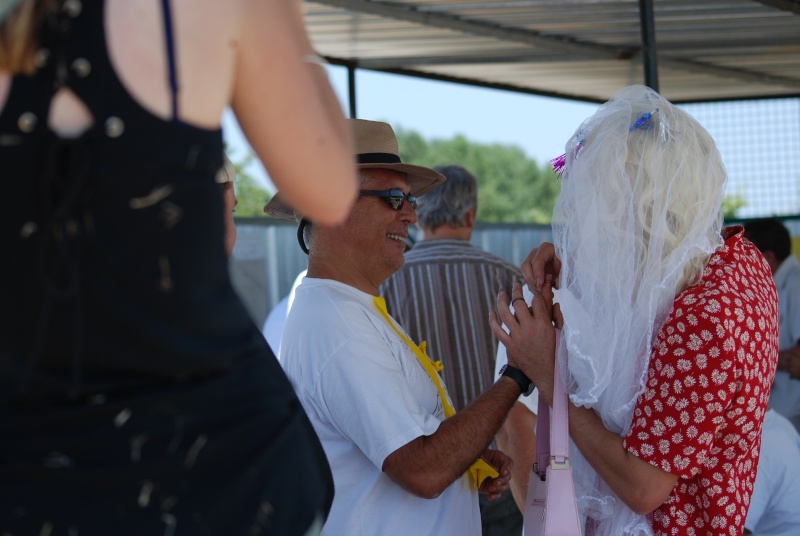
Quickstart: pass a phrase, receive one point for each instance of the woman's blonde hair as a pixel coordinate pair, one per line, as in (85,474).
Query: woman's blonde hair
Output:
(18,35)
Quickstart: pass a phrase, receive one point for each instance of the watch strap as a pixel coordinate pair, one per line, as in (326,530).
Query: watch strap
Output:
(525,383)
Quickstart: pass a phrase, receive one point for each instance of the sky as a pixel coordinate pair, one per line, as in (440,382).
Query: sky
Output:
(539,125)
(759,140)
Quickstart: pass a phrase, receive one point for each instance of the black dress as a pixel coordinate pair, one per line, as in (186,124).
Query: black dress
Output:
(136,396)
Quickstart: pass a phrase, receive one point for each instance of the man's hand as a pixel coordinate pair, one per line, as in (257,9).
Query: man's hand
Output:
(493,487)
(531,340)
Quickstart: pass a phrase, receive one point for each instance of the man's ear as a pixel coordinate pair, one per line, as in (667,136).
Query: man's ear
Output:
(470,219)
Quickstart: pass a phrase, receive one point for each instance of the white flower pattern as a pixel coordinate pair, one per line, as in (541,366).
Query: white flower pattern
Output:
(708,384)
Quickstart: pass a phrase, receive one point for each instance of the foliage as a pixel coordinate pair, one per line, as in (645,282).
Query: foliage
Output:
(250,195)
(731,205)
(513,188)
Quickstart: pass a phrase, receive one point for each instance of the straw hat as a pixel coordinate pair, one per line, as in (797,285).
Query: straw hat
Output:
(376,148)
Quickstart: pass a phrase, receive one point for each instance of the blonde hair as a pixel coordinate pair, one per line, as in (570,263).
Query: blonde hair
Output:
(18,35)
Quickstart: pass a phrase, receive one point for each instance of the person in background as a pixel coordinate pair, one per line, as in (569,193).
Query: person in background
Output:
(442,295)
(776,495)
(403,461)
(137,396)
(669,325)
(273,325)
(772,238)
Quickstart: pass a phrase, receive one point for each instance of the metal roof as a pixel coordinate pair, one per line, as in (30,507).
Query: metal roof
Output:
(576,49)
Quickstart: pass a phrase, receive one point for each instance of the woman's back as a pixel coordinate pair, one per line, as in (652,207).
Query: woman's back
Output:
(251,55)
(205,38)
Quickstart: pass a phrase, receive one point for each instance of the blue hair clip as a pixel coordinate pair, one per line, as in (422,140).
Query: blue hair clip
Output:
(644,122)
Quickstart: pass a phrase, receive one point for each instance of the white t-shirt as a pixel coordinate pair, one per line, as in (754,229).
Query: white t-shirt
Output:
(775,503)
(367,395)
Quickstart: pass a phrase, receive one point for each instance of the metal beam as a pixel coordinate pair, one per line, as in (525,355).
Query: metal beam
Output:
(422,61)
(792,6)
(649,59)
(351,89)
(530,91)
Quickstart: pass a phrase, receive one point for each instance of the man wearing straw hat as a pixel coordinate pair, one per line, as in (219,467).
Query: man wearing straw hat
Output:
(403,462)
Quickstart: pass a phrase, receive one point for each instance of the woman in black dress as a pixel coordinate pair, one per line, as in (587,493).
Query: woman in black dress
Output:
(137,396)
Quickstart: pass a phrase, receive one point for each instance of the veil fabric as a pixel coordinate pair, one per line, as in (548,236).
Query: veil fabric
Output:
(637,218)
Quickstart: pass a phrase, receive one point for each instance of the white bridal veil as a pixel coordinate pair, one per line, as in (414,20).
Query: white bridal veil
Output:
(635,223)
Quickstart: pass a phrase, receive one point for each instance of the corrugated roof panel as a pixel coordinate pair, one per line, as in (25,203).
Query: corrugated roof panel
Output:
(575,48)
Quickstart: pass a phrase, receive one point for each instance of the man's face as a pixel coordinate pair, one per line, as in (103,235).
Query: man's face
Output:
(374,233)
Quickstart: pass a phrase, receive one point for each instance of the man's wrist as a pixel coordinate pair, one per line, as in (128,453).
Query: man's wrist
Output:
(525,384)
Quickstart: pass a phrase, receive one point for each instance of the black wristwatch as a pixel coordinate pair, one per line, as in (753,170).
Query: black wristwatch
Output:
(525,384)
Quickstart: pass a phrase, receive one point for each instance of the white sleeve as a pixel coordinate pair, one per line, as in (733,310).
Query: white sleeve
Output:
(793,311)
(532,401)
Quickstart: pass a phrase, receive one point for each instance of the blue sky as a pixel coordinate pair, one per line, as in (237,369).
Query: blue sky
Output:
(759,140)
(539,125)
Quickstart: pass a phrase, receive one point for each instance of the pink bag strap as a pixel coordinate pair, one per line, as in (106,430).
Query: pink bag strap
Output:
(542,438)
(559,434)
(553,441)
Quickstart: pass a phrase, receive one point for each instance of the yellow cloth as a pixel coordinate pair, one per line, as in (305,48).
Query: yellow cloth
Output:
(480,470)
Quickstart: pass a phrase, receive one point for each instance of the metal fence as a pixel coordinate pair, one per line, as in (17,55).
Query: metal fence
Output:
(760,144)
(267,258)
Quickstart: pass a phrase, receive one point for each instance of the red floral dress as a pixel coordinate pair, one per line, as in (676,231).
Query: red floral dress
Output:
(709,380)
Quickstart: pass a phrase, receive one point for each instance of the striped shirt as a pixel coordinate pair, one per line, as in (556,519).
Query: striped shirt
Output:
(443,295)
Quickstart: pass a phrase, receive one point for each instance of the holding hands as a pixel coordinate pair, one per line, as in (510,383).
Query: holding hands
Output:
(530,341)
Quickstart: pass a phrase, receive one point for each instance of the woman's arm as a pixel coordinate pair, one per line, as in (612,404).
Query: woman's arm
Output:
(290,114)
(530,345)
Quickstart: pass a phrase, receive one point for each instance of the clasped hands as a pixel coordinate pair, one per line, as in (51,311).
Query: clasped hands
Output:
(531,337)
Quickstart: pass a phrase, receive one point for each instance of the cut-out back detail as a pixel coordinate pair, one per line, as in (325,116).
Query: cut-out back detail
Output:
(173,68)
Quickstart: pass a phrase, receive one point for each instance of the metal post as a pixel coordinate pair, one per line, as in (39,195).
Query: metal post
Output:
(351,89)
(648,44)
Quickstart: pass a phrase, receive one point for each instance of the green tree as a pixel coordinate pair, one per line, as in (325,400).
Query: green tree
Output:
(731,205)
(513,188)
(250,195)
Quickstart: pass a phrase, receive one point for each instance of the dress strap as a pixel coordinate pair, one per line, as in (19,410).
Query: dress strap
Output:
(173,69)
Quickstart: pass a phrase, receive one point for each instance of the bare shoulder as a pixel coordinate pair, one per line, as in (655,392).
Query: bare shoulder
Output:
(206,34)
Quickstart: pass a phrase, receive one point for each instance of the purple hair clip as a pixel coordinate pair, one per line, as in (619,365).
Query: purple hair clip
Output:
(644,122)
(558,164)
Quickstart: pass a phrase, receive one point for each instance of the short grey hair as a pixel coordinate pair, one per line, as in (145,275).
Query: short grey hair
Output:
(448,203)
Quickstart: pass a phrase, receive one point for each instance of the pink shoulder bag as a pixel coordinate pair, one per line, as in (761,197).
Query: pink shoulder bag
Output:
(551,507)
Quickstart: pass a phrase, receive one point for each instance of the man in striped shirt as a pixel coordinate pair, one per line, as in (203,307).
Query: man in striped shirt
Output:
(443,295)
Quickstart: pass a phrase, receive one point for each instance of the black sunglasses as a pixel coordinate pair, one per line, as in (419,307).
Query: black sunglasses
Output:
(394,197)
